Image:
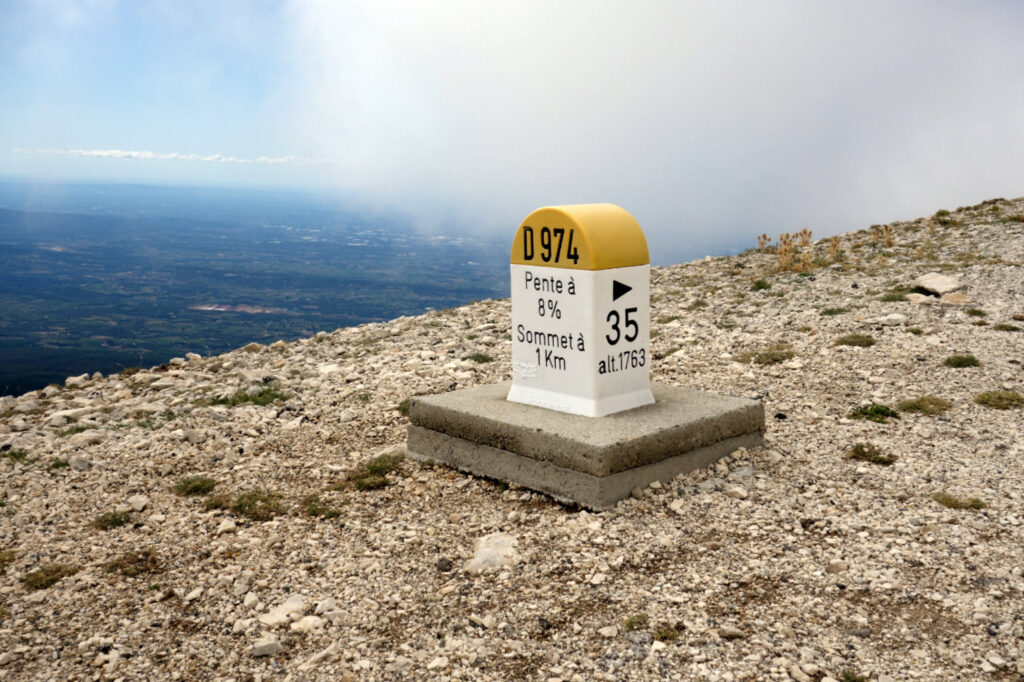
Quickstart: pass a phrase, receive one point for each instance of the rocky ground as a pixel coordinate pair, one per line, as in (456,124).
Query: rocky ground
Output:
(242,517)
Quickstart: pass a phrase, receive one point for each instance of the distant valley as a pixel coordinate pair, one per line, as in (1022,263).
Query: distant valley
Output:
(103,277)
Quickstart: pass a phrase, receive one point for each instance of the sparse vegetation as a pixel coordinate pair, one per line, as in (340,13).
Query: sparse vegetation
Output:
(77,428)
(850,676)
(7,557)
(479,357)
(760,285)
(926,404)
(893,297)
(772,355)
(194,485)
(373,475)
(129,371)
(875,413)
(14,455)
(257,505)
(1003,327)
(111,520)
(47,576)
(916,331)
(131,564)
(220,501)
(264,396)
(667,633)
(961,361)
(403,407)
(943,218)
(638,621)
(794,251)
(859,340)
(313,506)
(951,502)
(976,312)
(58,463)
(867,452)
(832,312)
(1000,400)
(667,318)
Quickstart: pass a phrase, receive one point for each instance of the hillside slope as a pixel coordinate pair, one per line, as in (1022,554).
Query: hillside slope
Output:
(790,561)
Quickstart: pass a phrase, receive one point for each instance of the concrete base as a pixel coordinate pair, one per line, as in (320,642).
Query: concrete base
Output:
(592,462)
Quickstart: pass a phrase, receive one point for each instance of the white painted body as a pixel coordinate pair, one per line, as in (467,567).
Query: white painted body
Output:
(548,368)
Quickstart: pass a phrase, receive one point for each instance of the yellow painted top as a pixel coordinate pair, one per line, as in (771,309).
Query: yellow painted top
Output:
(580,237)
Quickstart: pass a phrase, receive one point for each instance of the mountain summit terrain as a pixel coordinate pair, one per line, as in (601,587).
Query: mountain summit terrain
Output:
(250,516)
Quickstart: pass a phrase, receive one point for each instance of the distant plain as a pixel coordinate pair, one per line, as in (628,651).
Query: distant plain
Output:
(104,277)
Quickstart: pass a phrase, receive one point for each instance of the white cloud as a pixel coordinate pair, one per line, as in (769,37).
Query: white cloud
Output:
(707,120)
(170,156)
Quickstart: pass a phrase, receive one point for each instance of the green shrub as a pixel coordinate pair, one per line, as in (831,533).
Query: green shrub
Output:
(312,506)
(667,633)
(760,285)
(860,340)
(263,397)
(14,455)
(926,404)
(772,355)
(1000,400)
(257,505)
(961,361)
(77,428)
(866,452)
(875,413)
(58,463)
(1003,327)
(403,407)
(976,312)
(832,312)
(950,502)
(479,358)
(850,676)
(131,564)
(368,481)
(373,474)
(637,621)
(48,575)
(110,520)
(218,502)
(194,485)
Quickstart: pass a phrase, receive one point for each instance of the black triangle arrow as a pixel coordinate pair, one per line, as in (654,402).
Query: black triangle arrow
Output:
(619,289)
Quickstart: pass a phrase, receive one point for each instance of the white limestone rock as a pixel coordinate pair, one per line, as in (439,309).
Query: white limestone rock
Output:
(493,552)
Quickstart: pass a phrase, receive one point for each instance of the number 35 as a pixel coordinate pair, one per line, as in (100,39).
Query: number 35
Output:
(613,317)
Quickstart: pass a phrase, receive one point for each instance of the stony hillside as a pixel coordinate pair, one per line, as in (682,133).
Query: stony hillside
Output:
(249,517)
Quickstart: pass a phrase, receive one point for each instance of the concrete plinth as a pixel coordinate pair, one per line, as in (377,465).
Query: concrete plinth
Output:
(594,462)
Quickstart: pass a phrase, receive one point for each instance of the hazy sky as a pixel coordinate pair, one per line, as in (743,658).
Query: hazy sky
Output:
(711,122)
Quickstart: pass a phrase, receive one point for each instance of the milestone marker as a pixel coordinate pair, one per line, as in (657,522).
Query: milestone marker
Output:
(581,311)
(579,420)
